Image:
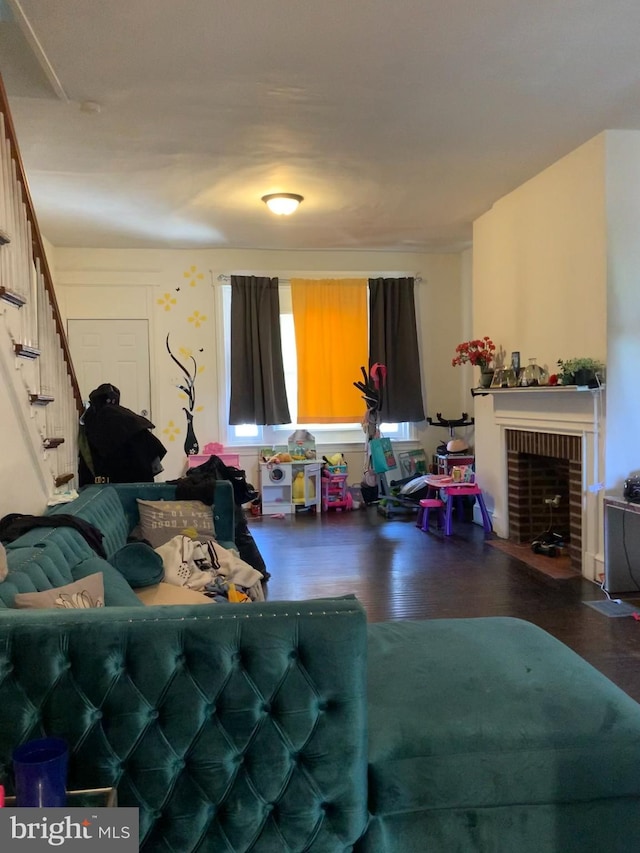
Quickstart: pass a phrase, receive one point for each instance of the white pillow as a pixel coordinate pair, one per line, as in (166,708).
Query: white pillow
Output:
(82,594)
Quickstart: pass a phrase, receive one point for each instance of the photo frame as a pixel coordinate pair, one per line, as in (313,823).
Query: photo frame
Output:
(515,362)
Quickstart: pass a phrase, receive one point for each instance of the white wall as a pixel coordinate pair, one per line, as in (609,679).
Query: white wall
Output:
(176,291)
(623,306)
(540,263)
(540,282)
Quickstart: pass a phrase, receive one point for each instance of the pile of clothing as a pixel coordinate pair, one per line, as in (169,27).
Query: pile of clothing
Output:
(115,444)
(207,567)
(199,484)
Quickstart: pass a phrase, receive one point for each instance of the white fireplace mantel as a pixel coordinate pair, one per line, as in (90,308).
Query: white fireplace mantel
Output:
(565,410)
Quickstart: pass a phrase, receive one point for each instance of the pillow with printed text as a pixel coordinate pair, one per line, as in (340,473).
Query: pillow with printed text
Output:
(160,521)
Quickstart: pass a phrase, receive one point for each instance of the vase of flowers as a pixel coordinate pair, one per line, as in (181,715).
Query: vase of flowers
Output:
(480,353)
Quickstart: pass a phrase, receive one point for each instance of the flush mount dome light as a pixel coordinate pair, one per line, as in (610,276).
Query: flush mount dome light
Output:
(283,204)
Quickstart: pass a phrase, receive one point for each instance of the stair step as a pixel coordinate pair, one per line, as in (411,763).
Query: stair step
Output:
(51,443)
(62,479)
(12,297)
(25,351)
(40,399)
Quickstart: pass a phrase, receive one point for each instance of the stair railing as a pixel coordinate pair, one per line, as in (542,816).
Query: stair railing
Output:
(33,321)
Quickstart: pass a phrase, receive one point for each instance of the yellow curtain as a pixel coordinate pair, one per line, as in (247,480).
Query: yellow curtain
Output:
(330,318)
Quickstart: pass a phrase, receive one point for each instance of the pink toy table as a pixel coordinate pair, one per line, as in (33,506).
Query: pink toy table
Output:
(457,490)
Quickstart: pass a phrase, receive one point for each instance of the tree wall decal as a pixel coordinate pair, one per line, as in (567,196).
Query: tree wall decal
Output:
(191,446)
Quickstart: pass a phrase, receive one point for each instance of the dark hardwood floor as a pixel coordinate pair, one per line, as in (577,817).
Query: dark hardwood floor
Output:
(399,572)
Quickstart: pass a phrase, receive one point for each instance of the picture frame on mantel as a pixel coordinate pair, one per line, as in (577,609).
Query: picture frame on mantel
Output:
(515,362)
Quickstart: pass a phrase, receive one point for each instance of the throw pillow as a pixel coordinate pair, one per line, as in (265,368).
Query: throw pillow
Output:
(162,520)
(167,593)
(87,592)
(139,564)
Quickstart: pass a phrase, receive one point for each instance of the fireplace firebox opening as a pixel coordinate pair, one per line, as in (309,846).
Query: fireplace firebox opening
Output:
(545,469)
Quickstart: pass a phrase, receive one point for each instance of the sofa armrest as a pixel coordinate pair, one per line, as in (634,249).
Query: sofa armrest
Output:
(226,721)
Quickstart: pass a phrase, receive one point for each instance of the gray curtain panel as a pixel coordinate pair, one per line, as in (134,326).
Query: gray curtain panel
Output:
(393,341)
(258,394)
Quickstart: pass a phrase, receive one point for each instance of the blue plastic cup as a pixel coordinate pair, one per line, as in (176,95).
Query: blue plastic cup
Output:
(40,772)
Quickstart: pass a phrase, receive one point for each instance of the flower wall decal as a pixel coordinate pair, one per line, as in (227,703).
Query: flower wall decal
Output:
(197,319)
(193,275)
(167,301)
(171,431)
(181,324)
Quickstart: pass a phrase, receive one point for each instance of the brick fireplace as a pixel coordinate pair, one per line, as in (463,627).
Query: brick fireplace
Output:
(533,443)
(541,466)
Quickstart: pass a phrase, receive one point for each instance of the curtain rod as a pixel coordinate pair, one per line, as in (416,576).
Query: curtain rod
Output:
(227,277)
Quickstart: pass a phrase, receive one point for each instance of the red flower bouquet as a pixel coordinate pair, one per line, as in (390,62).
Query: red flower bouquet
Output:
(479,353)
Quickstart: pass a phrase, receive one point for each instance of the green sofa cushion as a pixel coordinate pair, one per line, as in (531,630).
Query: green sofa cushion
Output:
(33,570)
(102,508)
(138,564)
(66,543)
(479,713)
(40,569)
(117,592)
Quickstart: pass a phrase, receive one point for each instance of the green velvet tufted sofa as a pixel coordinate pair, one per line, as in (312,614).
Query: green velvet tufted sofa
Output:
(297,726)
(48,557)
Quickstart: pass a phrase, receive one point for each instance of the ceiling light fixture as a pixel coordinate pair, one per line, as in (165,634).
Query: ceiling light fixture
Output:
(283,204)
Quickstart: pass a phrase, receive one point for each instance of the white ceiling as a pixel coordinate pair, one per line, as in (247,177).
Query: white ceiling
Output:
(399,121)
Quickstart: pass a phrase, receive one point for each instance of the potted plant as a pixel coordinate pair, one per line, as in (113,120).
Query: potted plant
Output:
(479,353)
(581,371)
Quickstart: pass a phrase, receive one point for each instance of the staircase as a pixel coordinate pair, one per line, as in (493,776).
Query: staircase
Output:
(41,397)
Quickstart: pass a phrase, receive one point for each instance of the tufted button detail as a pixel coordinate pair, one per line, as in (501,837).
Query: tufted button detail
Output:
(293,654)
(237,657)
(97,714)
(154,714)
(266,707)
(268,808)
(323,705)
(239,758)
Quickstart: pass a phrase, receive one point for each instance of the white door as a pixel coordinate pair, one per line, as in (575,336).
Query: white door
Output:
(115,351)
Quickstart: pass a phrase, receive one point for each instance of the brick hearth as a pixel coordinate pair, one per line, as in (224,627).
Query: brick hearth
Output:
(541,465)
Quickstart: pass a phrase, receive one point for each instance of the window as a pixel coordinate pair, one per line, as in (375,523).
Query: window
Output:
(278,434)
